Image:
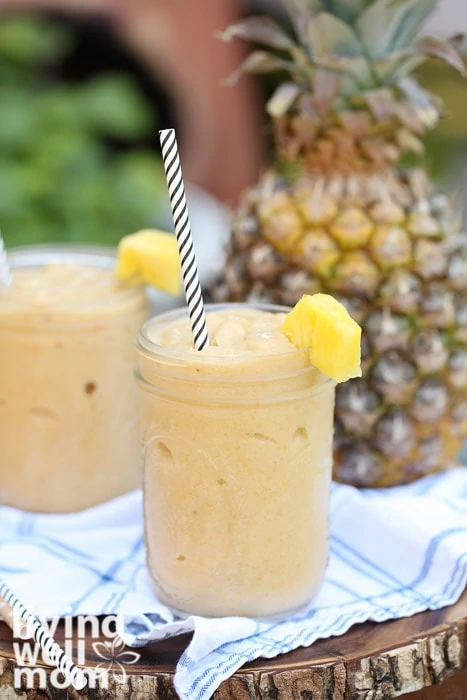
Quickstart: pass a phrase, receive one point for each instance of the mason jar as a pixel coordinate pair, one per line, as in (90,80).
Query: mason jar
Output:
(68,404)
(237,470)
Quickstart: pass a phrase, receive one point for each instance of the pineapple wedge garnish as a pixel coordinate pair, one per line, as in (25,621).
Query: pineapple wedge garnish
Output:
(323,325)
(150,257)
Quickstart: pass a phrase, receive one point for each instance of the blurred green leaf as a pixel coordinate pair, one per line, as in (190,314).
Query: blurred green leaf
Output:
(17,119)
(138,180)
(66,153)
(452,89)
(12,196)
(58,107)
(112,105)
(30,40)
(61,178)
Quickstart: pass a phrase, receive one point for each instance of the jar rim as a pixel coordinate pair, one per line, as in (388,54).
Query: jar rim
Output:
(169,361)
(79,254)
(44,253)
(162,352)
(159,350)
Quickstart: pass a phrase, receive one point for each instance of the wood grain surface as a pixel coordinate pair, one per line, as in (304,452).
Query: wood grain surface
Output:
(373,661)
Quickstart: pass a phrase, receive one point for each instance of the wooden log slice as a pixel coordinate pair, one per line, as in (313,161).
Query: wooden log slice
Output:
(373,661)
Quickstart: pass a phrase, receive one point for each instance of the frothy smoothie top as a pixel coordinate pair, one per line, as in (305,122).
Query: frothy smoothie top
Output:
(64,286)
(60,292)
(231,333)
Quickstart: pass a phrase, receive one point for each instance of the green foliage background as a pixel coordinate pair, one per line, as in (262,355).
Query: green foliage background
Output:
(446,145)
(60,177)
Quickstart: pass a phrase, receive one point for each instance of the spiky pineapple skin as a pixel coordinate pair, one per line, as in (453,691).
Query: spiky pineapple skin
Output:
(388,247)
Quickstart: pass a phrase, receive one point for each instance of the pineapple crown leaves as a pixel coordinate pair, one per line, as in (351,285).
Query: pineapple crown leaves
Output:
(343,51)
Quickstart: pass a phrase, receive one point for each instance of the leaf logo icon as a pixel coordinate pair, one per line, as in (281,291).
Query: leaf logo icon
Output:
(115,657)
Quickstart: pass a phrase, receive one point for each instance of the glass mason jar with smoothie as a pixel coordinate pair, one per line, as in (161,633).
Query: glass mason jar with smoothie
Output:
(68,405)
(237,446)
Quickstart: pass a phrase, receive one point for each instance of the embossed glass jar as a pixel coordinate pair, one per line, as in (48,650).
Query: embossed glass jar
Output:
(68,404)
(237,472)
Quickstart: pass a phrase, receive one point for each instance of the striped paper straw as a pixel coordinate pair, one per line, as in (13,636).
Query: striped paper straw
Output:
(5,272)
(49,646)
(191,283)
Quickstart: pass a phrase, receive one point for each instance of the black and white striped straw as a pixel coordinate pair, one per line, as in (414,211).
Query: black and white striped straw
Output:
(191,283)
(5,271)
(49,646)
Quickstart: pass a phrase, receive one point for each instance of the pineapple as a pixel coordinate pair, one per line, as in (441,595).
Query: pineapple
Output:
(150,257)
(323,326)
(339,213)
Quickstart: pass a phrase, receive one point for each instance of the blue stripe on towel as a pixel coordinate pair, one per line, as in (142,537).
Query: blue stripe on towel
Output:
(98,566)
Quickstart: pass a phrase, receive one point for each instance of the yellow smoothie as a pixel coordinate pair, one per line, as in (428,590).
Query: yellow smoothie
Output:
(68,405)
(237,464)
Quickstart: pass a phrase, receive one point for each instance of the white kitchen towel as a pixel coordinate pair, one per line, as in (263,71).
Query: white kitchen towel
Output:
(394,552)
